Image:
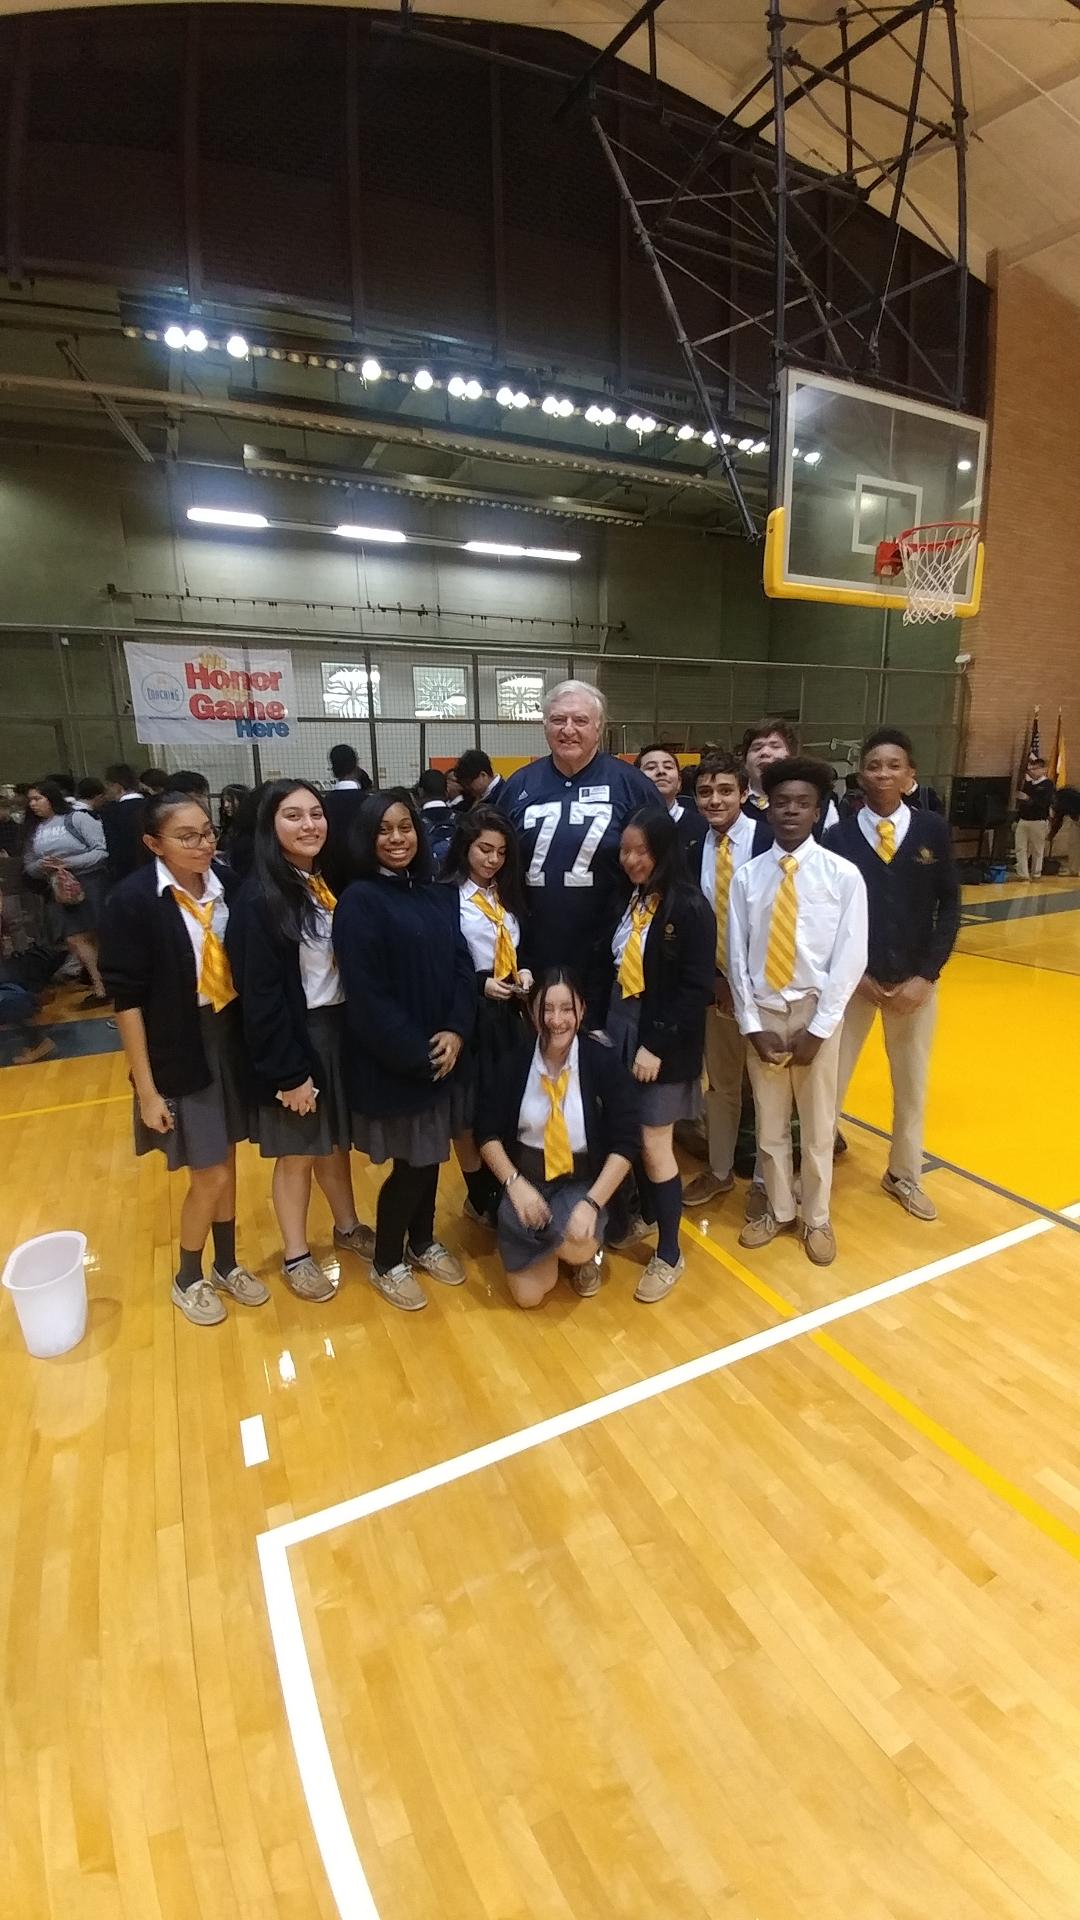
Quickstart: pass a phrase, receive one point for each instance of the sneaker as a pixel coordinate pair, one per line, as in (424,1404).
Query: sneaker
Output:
(638,1229)
(358,1239)
(308,1281)
(820,1245)
(586,1279)
(438,1263)
(658,1279)
(705,1187)
(199,1304)
(757,1202)
(911,1197)
(759,1232)
(241,1284)
(400,1286)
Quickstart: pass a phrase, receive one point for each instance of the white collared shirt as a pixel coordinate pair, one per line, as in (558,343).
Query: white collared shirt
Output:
(536,1107)
(621,937)
(741,835)
(319,976)
(212,890)
(676,810)
(480,933)
(830,936)
(346,786)
(131,796)
(868,823)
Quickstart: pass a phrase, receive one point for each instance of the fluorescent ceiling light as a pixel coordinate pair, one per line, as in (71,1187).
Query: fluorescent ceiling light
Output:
(494,547)
(505,396)
(566,408)
(549,403)
(522,400)
(635,423)
(708,439)
(746,445)
(388,534)
(423,379)
(175,337)
(963,466)
(455,386)
(648,425)
(473,390)
(686,432)
(237,347)
(550,553)
(811,459)
(196,341)
(370,369)
(608,416)
(225,517)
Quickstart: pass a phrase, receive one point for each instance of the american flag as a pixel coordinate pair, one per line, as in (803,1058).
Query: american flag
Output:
(1035,749)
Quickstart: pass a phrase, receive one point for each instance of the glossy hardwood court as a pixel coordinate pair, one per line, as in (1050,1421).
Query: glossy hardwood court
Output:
(775,1619)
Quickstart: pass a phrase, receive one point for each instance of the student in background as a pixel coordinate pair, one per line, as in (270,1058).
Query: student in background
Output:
(196,784)
(726,839)
(436,813)
(664,950)
(1034,805)
(89,795)
(279,945)
(154,780)
(122,820)
(763,745)
(477,780)
(796,952)
(484,864)
(410,1006)
(341,805)
(66,850)
(906,861)
(232,799)
(349,775)
(166,967)
(557,1123)
(660,764)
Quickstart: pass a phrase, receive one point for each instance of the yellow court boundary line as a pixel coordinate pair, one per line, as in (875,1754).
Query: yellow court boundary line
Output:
(66,1106)
(957,1450)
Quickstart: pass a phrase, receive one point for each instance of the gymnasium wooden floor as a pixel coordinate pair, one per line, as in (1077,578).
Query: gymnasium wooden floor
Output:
(763,1604)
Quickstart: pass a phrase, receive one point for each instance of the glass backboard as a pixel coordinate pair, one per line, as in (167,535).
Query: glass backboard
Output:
(859,467)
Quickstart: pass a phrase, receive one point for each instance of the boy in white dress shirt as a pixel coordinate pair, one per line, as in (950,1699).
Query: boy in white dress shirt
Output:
(797,930)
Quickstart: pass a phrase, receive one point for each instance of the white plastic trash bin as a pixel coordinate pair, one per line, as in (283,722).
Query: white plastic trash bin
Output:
(46,1278)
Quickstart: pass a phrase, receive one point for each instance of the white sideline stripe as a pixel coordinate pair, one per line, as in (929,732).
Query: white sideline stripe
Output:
(326,1809)
(253,1440)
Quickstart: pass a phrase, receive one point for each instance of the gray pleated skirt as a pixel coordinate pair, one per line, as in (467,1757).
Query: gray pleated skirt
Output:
(279,1132)
(85,916)
(207,1124)
(662,1102)
(421,1139)
(521,1247)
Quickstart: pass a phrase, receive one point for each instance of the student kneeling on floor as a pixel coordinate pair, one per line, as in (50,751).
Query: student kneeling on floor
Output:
(797,933)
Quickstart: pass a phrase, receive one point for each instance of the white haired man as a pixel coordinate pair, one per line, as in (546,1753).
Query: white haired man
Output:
(570,810)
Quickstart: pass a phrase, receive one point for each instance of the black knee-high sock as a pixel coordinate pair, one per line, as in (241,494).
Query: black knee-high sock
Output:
(406,1206)
(190,1269)
(481,1187)
(224,1232)
(666,1199)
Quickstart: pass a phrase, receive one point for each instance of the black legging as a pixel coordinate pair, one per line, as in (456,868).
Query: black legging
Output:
(406,1208)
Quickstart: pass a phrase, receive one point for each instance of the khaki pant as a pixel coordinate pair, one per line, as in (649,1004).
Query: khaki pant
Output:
(812,1090)
(725,1058)
(1030,846)
(908,1040)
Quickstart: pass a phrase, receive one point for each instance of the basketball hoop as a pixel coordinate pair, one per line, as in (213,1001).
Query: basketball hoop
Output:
(931,559)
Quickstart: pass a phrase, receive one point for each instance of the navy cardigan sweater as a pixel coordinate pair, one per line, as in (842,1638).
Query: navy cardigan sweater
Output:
(266,970)
(407,974)
(679,964)
(609,1100)
(147,962)
(914,900)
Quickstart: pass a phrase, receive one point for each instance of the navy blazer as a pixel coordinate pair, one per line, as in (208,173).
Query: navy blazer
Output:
(679,964)
(407,974)
(914,901)
(147,962)
(122,821)
(266,972)
(609,1099)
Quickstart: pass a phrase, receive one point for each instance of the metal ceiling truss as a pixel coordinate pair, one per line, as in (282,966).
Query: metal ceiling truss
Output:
(738,202)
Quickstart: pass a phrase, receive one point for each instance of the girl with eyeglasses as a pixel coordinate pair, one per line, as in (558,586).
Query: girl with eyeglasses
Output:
(279,945)
(165,965)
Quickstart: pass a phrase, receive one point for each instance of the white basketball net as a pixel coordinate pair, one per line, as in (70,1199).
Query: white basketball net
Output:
(932,559)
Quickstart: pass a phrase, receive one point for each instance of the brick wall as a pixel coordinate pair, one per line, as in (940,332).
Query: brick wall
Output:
(1026,641)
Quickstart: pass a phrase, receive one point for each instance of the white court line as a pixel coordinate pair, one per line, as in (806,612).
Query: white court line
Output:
(253,1440)
(326,1808)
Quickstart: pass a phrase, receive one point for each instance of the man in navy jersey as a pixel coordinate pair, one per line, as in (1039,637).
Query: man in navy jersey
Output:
(570,810)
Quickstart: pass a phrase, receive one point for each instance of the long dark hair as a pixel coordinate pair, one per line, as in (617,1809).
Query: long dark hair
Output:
(508,881)
(284,893)
(53,792)
(541,987)
(661,836)
(363,841)
(231,798)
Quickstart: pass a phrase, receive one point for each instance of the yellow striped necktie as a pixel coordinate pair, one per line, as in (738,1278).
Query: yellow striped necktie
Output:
(558,1158)
(321,893)
(725,867)
(632,964)
(505,953)
(886,840)
(215,973)
(780,953)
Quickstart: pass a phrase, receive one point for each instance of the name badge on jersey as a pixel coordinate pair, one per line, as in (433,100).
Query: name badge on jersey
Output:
(594,793)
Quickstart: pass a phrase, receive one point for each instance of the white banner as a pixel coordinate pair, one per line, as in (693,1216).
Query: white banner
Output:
(209,693)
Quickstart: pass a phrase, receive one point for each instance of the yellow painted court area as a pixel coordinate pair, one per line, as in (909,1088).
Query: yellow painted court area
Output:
(786,1631)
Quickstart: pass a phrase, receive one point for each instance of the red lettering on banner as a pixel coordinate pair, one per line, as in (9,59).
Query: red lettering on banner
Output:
(236,681)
